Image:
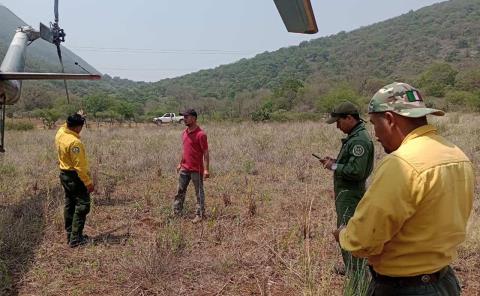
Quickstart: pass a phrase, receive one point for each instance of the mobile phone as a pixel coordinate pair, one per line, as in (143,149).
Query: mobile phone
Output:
(314,155)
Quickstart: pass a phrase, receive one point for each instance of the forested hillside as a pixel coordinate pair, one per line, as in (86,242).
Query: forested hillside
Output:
(436,48)
(399,48)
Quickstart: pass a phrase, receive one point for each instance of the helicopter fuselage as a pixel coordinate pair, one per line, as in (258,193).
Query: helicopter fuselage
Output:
(14,61)
(13,65)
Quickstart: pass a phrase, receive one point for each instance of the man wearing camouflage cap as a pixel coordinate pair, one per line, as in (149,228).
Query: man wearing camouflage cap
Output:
(414,214)
(351,169)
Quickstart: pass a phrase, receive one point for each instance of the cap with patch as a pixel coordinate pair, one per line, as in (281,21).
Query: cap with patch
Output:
(402,99)
(345,108)
(190,112)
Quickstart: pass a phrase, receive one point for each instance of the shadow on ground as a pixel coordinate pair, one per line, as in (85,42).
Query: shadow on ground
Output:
(109,238)
(21,232)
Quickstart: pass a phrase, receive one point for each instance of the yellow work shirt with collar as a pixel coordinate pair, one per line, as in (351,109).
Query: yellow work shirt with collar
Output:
(414,214)
(71,153)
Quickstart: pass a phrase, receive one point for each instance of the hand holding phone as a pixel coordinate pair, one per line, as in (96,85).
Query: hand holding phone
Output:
(322,160)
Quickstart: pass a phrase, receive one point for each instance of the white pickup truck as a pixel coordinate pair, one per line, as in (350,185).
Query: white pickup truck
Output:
(168,117)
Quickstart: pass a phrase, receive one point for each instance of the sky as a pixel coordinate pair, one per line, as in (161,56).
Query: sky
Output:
(149,40)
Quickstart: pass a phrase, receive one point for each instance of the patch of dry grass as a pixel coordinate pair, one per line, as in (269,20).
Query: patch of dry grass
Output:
(269,206)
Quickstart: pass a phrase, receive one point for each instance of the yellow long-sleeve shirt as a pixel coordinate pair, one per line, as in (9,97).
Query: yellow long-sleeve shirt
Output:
(71,153)
(414,214)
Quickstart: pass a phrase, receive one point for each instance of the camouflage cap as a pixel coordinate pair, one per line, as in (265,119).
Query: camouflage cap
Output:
(345,108)
(402,99)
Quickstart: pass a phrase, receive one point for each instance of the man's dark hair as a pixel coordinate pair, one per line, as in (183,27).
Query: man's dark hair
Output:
(75,120)
(189,112)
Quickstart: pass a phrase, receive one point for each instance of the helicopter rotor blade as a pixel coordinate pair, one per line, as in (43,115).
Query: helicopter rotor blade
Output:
(59,52)
(55,11)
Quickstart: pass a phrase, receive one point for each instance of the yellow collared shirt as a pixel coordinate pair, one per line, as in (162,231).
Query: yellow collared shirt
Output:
(71,153)
(414,214)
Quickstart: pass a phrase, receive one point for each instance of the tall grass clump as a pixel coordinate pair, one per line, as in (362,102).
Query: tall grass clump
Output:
(357,280)
(19,126)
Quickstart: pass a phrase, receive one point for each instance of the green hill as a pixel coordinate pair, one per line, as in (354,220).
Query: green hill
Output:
(436,48)
(398,48)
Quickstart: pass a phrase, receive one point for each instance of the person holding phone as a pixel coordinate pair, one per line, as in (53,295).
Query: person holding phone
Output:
(351,169)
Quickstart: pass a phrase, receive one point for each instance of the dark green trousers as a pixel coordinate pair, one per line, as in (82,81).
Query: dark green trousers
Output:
(447,285)
(77,204)
(346,202)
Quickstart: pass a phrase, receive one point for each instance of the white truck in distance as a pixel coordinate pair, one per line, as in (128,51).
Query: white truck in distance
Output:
(168,117)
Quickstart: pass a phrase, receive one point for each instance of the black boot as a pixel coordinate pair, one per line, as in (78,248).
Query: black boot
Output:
(81,240)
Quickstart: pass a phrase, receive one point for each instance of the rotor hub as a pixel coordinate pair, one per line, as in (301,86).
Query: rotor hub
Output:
(58,34)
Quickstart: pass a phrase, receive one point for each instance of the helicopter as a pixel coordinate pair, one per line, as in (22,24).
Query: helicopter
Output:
(12,67)
(297,15)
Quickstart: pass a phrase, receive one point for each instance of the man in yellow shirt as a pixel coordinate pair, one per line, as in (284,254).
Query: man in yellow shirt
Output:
(75,179)
(414,214)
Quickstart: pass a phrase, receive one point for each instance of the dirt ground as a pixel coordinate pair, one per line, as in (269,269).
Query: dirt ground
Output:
(269,205)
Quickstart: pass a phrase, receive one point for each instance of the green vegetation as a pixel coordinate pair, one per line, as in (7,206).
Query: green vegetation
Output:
(435,48)
(19,125)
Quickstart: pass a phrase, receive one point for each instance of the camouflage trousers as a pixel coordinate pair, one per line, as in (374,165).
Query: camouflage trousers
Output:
(447,285)
(346,202)
(183,181)
(77,204)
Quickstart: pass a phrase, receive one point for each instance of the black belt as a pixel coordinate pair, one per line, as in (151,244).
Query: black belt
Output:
(417,280)
(69,172)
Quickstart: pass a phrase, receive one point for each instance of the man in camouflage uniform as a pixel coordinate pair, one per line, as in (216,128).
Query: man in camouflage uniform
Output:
(351,168)
(74,177)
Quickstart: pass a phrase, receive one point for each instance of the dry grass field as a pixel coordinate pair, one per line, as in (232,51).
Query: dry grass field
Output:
(269,206)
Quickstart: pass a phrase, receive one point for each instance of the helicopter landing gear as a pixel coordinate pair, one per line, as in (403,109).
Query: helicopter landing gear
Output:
(2,125)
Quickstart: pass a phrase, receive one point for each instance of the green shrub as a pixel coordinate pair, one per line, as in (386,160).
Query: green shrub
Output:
(19,126)
(341,93)
(281,116)
(49,117)
(436,79)
(264,113)
(468,80)
(460,100)
(284,116)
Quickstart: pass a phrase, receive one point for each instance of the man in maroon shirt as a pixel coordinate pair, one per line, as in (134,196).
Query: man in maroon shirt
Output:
(193,165)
